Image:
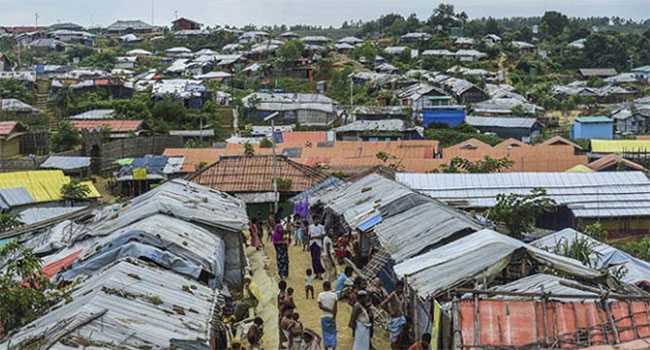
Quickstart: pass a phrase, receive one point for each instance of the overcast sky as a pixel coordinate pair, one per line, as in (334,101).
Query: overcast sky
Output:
(319,12)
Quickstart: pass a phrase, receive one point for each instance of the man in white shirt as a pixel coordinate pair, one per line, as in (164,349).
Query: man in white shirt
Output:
(327,303)
(316,234)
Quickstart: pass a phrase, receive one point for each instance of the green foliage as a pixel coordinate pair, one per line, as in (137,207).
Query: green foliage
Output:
(266,143)
(581,249)
(167,112)
(519,212)
(595,231)
(390,160)
(105,59)
(445,16)
(605,49)
(22,286)
(78,51)
(14,88)
(596,82)
(339,174)
(367,51)
(66,138)
(200,166)
(639,248)
(283,184)
(518,111)
(552,24)
(64,98)
(75,190)
(249,151)
(9,221)
(290,52)
(481,166)
(451,136)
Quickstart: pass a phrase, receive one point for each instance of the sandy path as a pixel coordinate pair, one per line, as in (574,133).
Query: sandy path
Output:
(300,261)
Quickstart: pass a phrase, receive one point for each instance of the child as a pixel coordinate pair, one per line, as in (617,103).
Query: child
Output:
(297,232)
(304,231)
(309,284)
(255,333)
(289,298)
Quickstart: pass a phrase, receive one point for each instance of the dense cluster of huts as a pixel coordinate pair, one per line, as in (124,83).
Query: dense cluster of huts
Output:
(471,286)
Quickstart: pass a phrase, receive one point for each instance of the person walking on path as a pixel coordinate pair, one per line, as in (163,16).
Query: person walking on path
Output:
(394,306)
(255,235)
(328,256)
(281,251)
(361,322)
(316,234)
(327,303)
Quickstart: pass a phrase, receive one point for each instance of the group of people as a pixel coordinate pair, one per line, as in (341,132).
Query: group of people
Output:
(326,251)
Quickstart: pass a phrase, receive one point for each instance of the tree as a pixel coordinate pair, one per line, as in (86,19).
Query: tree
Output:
(605,49)
(639,248)
(64,98)
(9,221)
(481,166)
(14,88)
(266,143)
(66,138)
(290,52)
(445,16)
(595,231)
(74,190)
(105,59)
(22,286)
(167,112)
(519,212)
(249,151)
(553,23)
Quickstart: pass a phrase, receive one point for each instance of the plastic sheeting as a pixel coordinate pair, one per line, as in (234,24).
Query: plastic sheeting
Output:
(608,256)
(146,307)
(481,254)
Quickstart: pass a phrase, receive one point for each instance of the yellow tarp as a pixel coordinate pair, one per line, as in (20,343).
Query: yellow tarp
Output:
(42,185)
(620,146)
(580,169)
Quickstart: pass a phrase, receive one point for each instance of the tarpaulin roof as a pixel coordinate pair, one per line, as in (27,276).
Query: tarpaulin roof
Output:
(408,233)
(482,254)
(606,194)
(144,307)
(66,163)
(606,255)
(359,201)
(329,183)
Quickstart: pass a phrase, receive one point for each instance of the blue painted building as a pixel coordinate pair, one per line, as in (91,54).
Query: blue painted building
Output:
(451,115)
(594,127)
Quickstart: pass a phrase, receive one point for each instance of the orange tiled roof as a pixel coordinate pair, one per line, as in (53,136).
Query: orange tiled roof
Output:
(193,156)
(7,128)
(304,137)
(559,140)
(255,174)
(113,125)
(613,160)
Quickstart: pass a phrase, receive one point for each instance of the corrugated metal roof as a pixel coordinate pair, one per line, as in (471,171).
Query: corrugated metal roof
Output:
(408,233)
(501,122)
(66,163)
(473,257)
(375,125)
(35,215)
(145,307)
(607,194)
(14,105)
(620,146)
(15,196)
(536,283)
(637,269)
(593,119)
(94,114)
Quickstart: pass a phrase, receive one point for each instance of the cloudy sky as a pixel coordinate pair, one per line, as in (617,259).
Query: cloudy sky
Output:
(321,12)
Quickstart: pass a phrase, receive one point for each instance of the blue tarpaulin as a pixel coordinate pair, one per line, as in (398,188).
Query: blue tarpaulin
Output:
(450,115)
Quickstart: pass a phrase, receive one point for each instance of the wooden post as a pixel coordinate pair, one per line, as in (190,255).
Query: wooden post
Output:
(477,324)
(588,330)
(556,337)
(455,322)
(602,324)
(612,323)
(500,330)
(629,309)
(544,316)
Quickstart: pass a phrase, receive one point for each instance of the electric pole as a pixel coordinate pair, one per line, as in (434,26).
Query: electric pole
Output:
(36,17)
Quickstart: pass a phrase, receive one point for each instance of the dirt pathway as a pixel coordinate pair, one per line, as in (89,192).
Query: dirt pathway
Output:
(299,262)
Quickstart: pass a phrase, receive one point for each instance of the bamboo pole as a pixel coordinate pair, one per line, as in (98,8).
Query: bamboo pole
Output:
(457,340)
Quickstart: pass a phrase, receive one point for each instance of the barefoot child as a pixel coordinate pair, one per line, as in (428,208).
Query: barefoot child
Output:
(309,284)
